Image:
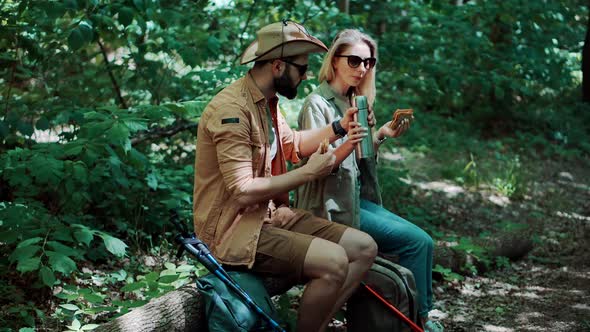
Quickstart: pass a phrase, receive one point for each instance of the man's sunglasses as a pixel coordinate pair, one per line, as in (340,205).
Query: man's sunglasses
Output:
(354,61)
(301,68)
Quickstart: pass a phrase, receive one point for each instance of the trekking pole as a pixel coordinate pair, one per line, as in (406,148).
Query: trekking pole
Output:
(398,313)
(200,250)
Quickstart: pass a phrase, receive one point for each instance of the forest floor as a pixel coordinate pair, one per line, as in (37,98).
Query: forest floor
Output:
(549,288)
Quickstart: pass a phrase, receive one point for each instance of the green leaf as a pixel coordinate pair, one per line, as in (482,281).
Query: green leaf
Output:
(42,123)
(135,124)
(133,286)
(47,276)
(151,277)
(23,253)
(25,128)
(152,180)
(168,279)
(93,298)
(3,129)
(61,263)
(75,39)
(125,16)
(75,324)
(28,265)
(213,45)
(114,245)
(89,327)
(62,249)
(84,235)
(139,4)
(86,30)
(69,306)
(28,242)
(80,35)
(26,329)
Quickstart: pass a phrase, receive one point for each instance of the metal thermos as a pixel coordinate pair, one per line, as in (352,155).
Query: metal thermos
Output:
(365,147)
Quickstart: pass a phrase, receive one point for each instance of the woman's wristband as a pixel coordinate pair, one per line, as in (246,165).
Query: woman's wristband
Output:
(379,140)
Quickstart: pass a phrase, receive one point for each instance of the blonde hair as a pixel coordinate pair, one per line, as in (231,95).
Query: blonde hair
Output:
(344,39)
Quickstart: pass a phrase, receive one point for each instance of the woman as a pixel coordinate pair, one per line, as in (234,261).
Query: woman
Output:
(351,194)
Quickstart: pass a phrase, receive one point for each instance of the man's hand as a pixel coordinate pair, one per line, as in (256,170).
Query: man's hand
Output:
(356,133)
(320,164)
(349,116)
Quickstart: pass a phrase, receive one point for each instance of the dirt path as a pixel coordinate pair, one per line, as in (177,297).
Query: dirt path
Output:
(548,290)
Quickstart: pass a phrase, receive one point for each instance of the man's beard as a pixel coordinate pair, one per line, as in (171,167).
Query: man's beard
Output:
(284,86)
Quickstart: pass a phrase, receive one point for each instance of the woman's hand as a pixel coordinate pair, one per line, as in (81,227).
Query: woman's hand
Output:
(386,130)
(371,118)
(356,133)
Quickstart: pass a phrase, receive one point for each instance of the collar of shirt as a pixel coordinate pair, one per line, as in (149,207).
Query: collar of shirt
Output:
(255,92)
(340,101)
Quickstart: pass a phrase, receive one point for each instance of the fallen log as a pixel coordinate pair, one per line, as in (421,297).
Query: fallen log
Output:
(181,310)
(513,246)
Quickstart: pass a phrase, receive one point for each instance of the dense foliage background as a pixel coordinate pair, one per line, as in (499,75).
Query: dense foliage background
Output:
(99,103)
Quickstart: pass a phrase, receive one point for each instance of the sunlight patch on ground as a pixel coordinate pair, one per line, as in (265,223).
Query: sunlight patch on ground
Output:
(575,185)
(469,289)
(572,215)
(537,288)
(494,328)
(451,190)
(502,201)
(390,156)
(528,295)
(581,306)
(437,315)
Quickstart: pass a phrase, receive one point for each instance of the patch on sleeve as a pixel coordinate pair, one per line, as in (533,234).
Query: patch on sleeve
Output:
(230,120)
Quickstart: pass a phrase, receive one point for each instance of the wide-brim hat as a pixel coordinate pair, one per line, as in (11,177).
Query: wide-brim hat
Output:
(280,40)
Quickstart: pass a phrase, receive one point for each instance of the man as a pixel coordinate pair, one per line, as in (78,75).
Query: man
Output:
(241,176)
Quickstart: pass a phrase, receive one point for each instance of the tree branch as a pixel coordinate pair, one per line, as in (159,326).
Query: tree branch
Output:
(111,75)
(12,73)
(250,14)
(164,132)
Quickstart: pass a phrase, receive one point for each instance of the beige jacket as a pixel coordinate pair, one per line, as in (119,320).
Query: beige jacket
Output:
(232,148)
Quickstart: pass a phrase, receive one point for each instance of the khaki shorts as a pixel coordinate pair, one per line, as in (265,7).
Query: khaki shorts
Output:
(283,244)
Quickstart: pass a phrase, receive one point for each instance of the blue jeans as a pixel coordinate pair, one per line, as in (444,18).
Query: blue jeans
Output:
(395,235)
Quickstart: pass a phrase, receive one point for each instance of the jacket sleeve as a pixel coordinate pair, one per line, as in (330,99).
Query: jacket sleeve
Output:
(230,130)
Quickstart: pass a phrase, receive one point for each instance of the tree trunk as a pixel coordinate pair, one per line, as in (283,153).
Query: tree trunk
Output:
(179,310)
(182,310)
(344,6)
(586,64)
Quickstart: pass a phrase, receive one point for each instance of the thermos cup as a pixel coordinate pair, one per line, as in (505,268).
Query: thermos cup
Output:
(365,147)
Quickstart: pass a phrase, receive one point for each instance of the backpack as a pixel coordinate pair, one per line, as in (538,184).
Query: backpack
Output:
(364,312)
(225,311)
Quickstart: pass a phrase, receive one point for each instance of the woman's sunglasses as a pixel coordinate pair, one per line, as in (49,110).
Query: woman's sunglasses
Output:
(354,61)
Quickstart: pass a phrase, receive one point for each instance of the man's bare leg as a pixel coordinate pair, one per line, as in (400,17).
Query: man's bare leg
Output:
(361,250)
(326,263)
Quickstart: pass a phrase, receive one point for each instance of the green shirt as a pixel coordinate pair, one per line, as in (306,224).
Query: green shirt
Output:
(337,196)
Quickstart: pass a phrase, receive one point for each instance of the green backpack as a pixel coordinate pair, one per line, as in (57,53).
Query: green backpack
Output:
(226,312)
(364,312)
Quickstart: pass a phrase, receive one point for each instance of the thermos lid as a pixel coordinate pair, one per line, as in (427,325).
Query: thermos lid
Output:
(361,102)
